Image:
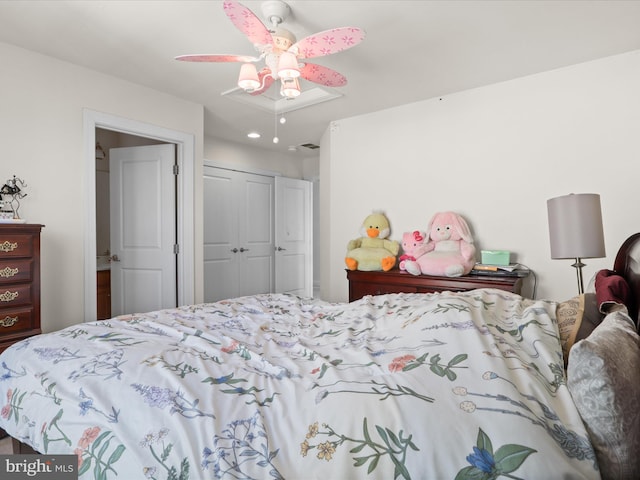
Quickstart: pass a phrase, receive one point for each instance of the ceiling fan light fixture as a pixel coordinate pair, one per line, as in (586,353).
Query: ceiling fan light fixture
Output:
(288,66)
(281,53)
(248,78)
(290,88)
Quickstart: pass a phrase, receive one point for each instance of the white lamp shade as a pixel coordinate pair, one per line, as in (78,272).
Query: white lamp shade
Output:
(290,88)
(288,66)
(248,79)
(575,226)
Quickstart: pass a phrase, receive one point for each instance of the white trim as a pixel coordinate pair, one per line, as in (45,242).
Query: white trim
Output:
(185,156)
(240,168)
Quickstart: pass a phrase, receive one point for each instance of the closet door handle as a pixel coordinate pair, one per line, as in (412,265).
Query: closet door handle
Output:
(242,249)
(234,250)
(280,249)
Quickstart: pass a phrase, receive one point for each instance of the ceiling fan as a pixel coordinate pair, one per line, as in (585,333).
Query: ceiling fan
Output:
(284,58)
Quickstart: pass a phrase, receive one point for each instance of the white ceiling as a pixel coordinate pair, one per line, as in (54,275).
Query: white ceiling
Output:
(414,50)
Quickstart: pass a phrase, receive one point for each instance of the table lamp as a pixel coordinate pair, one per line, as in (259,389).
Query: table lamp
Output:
(575,229)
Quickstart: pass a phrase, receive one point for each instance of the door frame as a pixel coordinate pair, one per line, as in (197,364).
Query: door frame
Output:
(185,158)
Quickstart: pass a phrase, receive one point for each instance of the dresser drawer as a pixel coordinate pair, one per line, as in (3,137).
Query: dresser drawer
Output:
(16,270)
(15,320)
(14,296)
(16,245)
(395,281)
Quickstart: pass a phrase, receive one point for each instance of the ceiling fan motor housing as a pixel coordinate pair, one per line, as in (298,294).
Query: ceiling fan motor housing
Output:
(275,11)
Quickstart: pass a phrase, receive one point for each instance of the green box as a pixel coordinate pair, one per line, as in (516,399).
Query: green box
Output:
(496,257)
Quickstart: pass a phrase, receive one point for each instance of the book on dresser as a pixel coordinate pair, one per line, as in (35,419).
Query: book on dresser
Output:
(397,281)
(19,282)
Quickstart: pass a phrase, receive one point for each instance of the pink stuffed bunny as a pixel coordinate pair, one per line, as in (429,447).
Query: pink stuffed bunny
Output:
(450,251)
(410,242)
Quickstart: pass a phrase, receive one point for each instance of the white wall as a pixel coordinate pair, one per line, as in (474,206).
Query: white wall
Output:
(41,128)
(495,155)
(253,159)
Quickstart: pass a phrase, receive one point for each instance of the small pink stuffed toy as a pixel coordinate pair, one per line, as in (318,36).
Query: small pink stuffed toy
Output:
(410,242)
(449,251)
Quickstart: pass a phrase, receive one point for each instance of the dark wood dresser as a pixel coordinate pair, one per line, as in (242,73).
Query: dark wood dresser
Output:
(19,282)
(397,281)
(104,294)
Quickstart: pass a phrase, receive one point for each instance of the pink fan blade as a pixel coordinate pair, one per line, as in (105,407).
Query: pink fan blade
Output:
(323,75)
(266,79)
(217,58)
(247,22)
(328,42)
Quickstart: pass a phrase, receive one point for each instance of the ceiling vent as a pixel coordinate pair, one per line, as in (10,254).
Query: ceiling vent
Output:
(311,146)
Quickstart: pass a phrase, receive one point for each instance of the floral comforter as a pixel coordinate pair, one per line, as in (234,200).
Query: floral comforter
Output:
(424,386)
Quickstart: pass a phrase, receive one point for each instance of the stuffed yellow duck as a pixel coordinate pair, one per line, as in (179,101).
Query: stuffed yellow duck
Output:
(373,250)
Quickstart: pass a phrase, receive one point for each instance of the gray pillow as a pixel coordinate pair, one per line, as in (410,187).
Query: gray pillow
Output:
(602,377)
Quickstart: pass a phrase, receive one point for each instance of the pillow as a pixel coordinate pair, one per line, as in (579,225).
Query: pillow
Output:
(577,318)
(602,377)
(569,315)
(612,290)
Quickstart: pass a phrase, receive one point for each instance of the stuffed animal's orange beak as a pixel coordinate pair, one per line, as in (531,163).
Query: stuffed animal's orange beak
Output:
(373,232)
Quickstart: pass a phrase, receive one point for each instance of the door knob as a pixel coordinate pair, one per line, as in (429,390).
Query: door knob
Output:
(114,258)
(234,250)
(280,249)
(242,249)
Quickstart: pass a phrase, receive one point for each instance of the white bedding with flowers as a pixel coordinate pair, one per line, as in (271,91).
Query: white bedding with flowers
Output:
(425,386)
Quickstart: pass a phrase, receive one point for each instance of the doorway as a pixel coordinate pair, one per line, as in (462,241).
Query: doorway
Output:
(135,225)
(257,234)
(185,160)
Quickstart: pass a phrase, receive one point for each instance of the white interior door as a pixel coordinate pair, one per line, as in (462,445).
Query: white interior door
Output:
(238,234)
(143,228)
(220,235)
(256,234)
(294,236)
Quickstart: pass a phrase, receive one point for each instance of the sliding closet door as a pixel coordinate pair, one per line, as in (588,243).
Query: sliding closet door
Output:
(238,234)
(220,236)
(256,234)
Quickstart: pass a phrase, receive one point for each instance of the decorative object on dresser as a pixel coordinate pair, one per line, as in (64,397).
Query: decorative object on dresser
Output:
(19,282)
(449,250)
(373,250)
(411,241)
(10,196)
(396,281)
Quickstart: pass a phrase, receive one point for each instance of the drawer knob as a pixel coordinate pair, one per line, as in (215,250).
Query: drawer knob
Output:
(8,321)
(8,272)
(7,246)
(8,296)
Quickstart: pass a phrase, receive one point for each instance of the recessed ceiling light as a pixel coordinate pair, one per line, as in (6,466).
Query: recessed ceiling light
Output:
(253,135)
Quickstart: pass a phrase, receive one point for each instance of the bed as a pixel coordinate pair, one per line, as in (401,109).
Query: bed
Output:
(470,385)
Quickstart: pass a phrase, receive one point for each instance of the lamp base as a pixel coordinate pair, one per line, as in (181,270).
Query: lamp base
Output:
(578,266)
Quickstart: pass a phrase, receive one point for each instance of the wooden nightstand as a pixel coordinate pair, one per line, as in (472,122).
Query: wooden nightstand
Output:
(19,282)
(397,281)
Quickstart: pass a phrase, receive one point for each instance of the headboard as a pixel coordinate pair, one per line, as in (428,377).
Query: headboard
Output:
(627,264)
